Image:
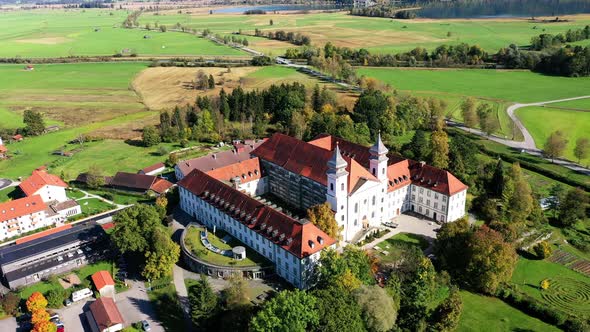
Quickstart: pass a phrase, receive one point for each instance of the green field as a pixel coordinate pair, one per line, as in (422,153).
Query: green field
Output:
(542,121)
(60,33)
(482,313)
(492,86)
(580,104)
(378,35)
(568,291)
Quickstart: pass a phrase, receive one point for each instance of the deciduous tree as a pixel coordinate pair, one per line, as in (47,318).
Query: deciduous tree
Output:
(34,123)
(134,228)
(150,136)
(322,216)
(573,207)
(440,149)
(236,293)
(289,311)
(555,145)
(338,311)
(582,149)
(468,112)
(379,310)
(445,317)
(162,255)
(44,326)
(10,303)
(36,302)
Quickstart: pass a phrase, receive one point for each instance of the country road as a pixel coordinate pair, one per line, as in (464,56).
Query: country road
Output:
(528,145)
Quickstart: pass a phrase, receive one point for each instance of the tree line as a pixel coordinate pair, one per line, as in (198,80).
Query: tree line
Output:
(384,11)
(546,40)
(290,37)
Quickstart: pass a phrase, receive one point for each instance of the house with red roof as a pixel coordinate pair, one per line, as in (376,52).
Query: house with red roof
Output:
(3,151)
(50,187)
(365,187)
(154,169)
(104,316)
(104,283)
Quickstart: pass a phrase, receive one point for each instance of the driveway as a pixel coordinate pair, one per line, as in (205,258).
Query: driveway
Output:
(408,224)
(4,183)
(8,324)
(133,304)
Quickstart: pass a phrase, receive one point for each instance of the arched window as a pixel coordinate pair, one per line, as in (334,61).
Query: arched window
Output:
(342,186)
(373,200)
(374,171)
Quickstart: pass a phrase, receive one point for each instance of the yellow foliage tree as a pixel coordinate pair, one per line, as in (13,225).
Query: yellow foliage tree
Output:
(36,301)
(545,284)
(348,281)
(39,315)
(45,326)
(322,216)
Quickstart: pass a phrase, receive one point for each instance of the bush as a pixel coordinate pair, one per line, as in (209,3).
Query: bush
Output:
(10,303)
(261,61)
(542,250)
(56,298)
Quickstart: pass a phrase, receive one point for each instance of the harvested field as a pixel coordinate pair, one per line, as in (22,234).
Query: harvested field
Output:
(165,87)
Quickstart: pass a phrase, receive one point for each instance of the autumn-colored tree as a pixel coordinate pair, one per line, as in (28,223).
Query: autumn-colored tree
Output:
(545,284)
(582,149)
(555,145)
(491,260)
(543,249)
(440,149)
(322,216)
(348,281)
(36,301)
(39,315)
(45,326)
(468,112)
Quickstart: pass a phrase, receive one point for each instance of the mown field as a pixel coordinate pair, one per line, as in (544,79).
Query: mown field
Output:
(542,121)
(378,35)
(60,33)
(69,94)
(482,313)
(492,86)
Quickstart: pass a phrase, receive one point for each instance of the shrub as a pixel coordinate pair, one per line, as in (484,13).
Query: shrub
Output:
(10,303)
(542,250)
(56,298)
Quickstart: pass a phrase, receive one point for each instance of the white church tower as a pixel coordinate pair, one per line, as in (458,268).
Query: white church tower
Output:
(337,193)
(378,160)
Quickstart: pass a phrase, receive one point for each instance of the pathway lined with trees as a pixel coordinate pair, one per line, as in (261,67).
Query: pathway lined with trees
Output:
(528,145)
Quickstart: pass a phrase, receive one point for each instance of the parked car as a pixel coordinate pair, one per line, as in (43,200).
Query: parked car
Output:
(390,224)
(60,328)
(145,325)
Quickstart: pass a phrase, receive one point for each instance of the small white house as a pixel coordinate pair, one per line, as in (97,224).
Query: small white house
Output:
(104,284)
(153,169)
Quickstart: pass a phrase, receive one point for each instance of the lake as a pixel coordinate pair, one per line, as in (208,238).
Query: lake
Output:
(502,8)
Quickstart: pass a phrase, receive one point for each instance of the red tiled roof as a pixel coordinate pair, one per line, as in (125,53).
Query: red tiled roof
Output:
(105,313)
(43,234)
(359,152)
(436,179)
(153,167)
(21,207)
(108,225)
(247,170)
(296,156)
(217,160)
(357,175)
(17,137)
(101,279)
(292,235)
(38,179)
(3,149)
(398,175)
(161,185)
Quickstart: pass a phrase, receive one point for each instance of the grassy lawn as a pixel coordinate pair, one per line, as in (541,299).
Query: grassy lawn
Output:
(74,194)
(121,197)
(387,35)
(83,273)
(582,104)
(193,242)
(60,33)
(69,94)
(574,124)
(389,250)
(92,206)
(163,297)
(490,314)
(568,291)
(8,193)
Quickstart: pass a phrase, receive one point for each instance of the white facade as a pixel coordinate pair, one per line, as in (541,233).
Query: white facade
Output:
(255,187)
(52,193)
(293,269)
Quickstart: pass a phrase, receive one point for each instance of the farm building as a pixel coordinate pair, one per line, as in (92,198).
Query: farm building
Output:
(153,169)
(139,183)
(17,137)
(104,316)
(104,284)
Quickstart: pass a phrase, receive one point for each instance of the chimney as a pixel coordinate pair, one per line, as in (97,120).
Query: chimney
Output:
(422,163)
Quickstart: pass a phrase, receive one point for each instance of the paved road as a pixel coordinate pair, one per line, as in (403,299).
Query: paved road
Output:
(528,145)
(8,324)
(4,183)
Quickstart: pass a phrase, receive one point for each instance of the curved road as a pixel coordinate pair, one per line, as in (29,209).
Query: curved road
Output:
(528,145)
